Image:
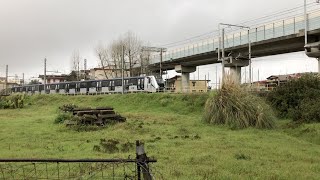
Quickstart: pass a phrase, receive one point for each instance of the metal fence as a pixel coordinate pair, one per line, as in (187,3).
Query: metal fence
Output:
(289,26)
(139,168)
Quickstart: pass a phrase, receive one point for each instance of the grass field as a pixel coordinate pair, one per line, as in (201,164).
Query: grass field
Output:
(174,133)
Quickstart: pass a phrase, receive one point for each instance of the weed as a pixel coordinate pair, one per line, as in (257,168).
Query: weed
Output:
(235,107)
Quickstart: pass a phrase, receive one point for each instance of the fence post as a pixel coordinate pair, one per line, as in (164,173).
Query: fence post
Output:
(142,162)
(256,34)
(283,28)
(233,40)
(264,32)
(273,30)
(294,25)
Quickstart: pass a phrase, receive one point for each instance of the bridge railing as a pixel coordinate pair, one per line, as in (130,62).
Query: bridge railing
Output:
(279,28)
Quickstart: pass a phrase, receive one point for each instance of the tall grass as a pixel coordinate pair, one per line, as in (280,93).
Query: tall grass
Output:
(237,108)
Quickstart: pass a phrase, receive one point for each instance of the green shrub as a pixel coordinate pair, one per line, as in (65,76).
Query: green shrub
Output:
(298,99)
(235,107)
(61,117)
(68,107)
(12,102)
(308,111)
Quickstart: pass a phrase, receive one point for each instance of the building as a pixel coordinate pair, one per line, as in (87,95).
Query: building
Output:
(279,79)
(273,81)
(53,78)
(11,83)
(174,85)
(106,73)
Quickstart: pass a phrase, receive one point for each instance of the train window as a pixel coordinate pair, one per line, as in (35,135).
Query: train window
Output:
(133,81)
(141,83)
(62,86)
(93,84)
(72,85)
(41,87)
(105,83)
(83,85)
(52,87)
(118,82)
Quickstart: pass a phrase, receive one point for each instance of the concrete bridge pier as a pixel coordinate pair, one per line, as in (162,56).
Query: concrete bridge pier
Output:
(185,76)
(235,67)
(235,72)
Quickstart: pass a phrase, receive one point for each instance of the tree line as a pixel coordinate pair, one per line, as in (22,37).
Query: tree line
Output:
(109,57)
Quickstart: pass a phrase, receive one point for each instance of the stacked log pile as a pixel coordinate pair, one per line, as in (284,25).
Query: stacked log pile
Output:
(100,116)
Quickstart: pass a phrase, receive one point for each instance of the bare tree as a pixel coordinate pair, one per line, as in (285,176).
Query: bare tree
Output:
(102,53)
(111,56)
(132,46)
(75,62)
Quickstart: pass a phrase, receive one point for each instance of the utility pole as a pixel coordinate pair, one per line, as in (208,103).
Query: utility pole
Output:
(79,70)
(6,81)
(122,66)
(156,49)
(305,23)
(217,77)
(223,73)
(222,37)
(245,75)
(22,78)
(250,80)
(161,51)
(85,69)
(45,74)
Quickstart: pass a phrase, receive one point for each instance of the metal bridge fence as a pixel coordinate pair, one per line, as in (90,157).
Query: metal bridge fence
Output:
(280,28)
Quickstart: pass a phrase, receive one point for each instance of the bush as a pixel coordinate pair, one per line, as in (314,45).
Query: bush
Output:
(68,107)
(12,102)
(63,117)
(298,99)
(235,107)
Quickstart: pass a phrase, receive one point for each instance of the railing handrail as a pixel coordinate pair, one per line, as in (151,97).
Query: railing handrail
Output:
(77,160)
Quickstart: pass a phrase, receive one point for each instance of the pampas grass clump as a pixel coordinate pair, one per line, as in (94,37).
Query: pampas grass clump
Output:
(237,108)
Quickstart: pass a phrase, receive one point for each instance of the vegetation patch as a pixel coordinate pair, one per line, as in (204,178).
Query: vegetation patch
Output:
(113,146)
(235,107)
(12,102)
(298,99)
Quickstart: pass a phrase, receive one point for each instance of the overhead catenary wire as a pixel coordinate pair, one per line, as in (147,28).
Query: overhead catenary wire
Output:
(253,22)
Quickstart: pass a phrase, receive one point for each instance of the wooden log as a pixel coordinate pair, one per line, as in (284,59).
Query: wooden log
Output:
(104,108)
(107,112)
(81,113)
(107,116)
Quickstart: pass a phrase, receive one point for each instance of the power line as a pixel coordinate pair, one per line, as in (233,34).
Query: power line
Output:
(266,17)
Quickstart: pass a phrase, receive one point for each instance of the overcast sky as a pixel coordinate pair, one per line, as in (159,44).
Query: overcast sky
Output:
(31,30)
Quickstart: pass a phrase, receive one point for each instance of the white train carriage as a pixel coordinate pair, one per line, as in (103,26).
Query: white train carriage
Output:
(53,88)
(72,88)
(92,87)
(37,88)
(104,86)
(130,84)
(62,88)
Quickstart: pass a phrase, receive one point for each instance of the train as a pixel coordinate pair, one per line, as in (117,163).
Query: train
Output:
(149,84)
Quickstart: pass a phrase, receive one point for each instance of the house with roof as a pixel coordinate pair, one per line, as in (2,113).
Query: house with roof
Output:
(174,84)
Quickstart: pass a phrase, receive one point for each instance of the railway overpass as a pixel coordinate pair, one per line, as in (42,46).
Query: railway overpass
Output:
(279,37)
